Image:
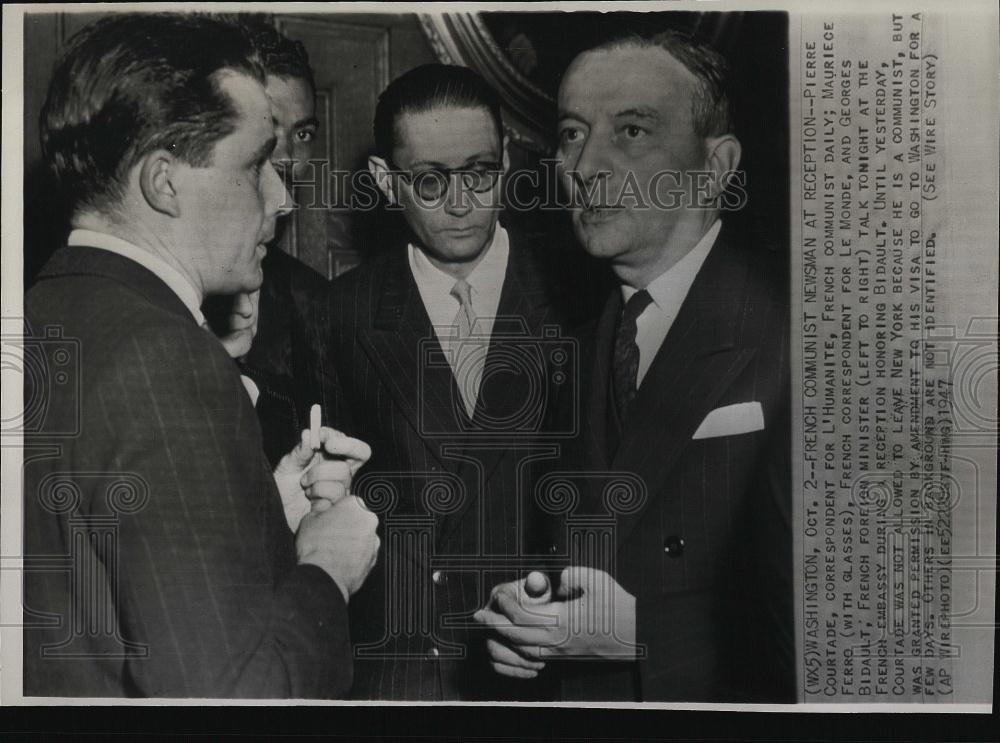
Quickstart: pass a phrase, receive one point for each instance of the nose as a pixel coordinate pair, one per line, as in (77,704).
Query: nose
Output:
(459,199)
(593,161)
(282,147)
(277,198)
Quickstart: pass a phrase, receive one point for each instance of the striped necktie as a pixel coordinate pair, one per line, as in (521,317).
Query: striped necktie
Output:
(467,356)
(626,354)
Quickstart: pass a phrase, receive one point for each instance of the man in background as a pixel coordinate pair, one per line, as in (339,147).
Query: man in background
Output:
(184,579)
(277,333)
(441,350)
(685,390)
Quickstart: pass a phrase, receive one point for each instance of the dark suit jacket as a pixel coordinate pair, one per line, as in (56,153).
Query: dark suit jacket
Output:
(158,558)
(287,360)
(707,550)
(450,491)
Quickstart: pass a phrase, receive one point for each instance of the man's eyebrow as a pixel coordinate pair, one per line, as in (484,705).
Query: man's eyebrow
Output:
(481,157)
(429,163)
(264,151)
(309,121)
(570,115)
(477,158)
(640,112)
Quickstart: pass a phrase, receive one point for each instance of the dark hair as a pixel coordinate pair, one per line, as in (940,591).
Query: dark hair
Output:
(426,87)
(711,102)
(276,53)
(133,83)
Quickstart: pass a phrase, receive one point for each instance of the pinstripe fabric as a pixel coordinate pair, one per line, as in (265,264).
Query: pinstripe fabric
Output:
(196,570)
(447,488)
(715,620)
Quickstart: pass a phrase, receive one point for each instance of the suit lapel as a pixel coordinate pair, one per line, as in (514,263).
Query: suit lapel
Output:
(698,361)
(595,428)
(521,313)
(405,352)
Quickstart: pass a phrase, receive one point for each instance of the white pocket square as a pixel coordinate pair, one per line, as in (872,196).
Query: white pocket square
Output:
(743,417)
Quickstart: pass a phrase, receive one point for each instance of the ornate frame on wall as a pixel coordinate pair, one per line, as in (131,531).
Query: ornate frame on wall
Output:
(464,39)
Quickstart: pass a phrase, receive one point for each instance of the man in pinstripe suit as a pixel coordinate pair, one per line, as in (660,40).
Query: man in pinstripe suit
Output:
(440,346)
(158,558)
(686,394)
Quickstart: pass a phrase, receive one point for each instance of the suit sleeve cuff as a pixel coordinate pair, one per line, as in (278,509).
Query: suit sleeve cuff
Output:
(314,612)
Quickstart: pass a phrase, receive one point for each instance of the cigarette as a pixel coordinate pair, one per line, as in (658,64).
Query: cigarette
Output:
(315,418)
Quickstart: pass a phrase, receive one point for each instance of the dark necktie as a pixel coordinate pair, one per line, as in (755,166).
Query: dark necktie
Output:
(626,354)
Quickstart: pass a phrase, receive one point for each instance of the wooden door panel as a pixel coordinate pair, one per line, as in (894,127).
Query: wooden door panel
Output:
(351,65)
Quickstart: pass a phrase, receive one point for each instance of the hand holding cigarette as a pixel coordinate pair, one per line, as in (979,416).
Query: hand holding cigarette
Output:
(318,472)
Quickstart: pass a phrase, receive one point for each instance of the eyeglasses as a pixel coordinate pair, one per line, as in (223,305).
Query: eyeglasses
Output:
(431,185)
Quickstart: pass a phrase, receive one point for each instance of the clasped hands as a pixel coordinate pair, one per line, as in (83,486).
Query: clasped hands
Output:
(589,615)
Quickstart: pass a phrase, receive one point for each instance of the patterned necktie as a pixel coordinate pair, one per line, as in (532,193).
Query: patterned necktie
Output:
(467,358)
(626,358)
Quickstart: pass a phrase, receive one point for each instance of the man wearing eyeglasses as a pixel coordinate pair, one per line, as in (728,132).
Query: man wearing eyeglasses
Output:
(436,347)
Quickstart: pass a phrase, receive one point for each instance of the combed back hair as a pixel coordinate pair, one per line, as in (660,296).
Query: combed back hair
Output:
(428,87)
(134,83)
(279,55)
(711,103)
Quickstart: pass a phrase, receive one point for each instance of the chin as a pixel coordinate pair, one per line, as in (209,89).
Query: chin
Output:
(252,281)
(602,241)
(461,249)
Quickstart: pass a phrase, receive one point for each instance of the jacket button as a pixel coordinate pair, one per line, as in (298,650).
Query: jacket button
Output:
(673,546)
(438,577)
(552,549)
(433,653)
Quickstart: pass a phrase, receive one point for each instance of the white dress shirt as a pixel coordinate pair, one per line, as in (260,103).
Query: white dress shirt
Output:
(668,291)
(166,273)
(486,282)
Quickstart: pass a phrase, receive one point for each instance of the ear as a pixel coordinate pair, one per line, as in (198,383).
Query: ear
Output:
(382,174)
(723,157)
(505,146)
(157,172)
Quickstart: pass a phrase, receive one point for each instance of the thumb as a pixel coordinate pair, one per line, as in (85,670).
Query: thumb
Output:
(574,581)
(298,458)
(536,589)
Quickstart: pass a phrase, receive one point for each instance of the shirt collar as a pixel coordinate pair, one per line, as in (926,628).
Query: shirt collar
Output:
(486,279)
(170,276)
(671,287)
